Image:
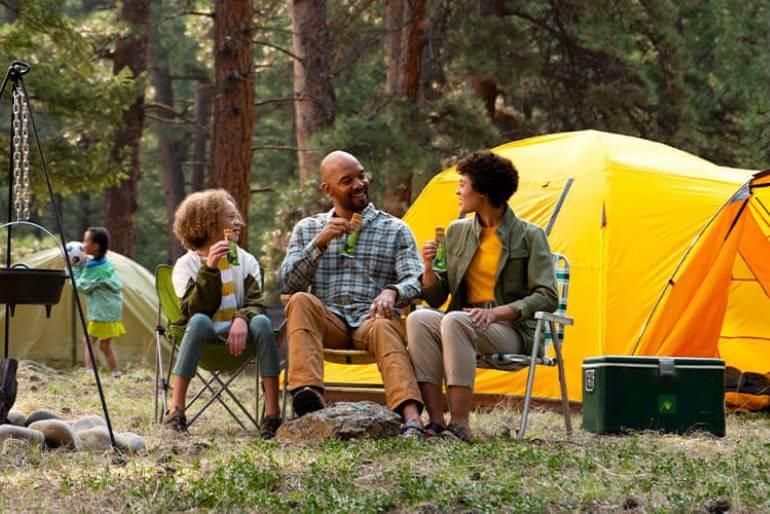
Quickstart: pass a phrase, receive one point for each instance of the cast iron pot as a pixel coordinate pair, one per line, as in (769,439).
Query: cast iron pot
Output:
(21,285)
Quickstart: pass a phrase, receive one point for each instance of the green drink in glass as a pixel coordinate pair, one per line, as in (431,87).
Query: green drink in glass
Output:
(349,246)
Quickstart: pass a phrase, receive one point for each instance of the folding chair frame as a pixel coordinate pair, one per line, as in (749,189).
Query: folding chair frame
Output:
(214,385)
(555,321)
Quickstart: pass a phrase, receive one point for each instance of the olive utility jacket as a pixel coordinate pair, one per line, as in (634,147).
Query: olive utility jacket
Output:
(524,281)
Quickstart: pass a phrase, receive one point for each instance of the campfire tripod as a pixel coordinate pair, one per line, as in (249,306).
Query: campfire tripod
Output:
(21,286)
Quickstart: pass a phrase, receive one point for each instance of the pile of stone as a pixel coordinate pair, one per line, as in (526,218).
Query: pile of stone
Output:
(47,430)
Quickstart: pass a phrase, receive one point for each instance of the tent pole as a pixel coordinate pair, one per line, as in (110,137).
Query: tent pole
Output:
(558,207)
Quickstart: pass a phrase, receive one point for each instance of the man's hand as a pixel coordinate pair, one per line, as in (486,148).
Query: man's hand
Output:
(481,318)
(383,305)
(334,228)
(236,339)
(427,254)
(216,252)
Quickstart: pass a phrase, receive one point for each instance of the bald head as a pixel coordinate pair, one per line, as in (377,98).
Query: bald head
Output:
(335,162)
(344,181)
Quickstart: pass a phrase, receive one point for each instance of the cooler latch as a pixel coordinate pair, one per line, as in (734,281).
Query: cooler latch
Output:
(666,367)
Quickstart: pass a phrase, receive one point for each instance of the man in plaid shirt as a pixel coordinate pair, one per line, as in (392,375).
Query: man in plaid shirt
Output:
(352,302)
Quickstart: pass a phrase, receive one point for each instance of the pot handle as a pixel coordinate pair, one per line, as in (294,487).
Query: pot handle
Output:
(43,229)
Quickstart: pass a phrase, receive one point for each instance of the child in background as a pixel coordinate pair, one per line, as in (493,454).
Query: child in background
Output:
(98,280)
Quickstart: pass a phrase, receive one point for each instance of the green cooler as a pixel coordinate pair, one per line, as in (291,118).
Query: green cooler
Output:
(672,394)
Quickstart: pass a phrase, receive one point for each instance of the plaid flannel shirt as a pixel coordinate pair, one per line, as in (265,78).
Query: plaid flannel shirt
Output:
(385,257)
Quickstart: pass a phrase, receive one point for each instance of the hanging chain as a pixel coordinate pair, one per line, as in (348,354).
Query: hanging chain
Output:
(26,194)
(16,123)
(21,189)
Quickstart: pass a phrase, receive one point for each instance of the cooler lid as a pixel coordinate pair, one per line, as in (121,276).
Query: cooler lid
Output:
(652,361)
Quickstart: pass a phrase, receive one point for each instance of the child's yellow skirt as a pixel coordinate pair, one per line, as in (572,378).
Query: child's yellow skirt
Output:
(106,329)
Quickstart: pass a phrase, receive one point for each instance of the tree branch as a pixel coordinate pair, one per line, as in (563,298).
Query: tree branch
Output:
(279,48)
(282,147)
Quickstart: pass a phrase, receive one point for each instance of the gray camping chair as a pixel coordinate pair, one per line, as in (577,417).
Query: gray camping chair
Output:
(549,331)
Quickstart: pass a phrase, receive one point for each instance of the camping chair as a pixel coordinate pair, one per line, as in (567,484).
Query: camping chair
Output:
(549,331)
(215,358)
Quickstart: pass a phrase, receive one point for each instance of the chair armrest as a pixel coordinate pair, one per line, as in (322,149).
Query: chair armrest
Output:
(548,316)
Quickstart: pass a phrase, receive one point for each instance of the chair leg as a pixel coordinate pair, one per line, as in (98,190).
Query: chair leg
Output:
(285,388)
(256,404)
(562,381)
(530,379)
(217,396)
(226,390)
(161,384)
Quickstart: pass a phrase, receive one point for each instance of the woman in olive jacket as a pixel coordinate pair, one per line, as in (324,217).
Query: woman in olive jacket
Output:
(499,273)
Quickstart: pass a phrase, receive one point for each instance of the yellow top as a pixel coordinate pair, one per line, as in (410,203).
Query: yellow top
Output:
(480,277)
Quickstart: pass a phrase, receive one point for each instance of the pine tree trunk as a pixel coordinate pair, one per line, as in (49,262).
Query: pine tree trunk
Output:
(406,81)
(234,110)
(412,43)
(314,105)
(394,16)
(120,202)
(203,92)
(171,148)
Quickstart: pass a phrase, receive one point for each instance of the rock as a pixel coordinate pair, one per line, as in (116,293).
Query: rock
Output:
(130,442)
(95,439)
(17,418)
(40,415)
(20,433)
(343,420)
(58,434)
(87,423)
(98,439)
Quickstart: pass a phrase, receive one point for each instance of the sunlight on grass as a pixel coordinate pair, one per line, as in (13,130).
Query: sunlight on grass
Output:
(220,467)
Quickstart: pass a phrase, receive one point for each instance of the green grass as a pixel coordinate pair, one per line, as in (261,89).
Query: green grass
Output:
(219,467)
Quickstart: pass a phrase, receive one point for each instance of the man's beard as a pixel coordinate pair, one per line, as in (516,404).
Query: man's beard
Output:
(355,204)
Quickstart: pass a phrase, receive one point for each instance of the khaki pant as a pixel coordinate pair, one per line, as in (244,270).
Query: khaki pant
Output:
(444,346)
(311,327)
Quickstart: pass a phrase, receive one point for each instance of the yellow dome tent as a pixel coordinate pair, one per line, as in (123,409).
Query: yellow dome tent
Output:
(57,341)
(628,211)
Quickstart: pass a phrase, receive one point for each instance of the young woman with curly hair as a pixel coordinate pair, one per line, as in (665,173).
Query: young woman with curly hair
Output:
(220,299)
(499,272)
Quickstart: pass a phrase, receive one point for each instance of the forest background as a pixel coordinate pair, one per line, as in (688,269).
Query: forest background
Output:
(141,102)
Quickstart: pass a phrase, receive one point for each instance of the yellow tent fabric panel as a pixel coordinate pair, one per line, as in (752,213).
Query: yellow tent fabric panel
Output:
(49,341)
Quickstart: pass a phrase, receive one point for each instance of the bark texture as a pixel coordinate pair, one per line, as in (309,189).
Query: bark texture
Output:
(314,102)
(120,202)
(233,104)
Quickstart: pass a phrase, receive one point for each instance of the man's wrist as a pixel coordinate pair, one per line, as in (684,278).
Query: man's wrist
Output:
(394,289)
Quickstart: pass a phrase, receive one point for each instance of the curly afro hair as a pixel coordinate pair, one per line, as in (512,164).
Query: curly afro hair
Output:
(198,217)
(491,175)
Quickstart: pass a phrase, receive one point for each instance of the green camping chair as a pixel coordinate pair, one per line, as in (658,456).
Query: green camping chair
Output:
(549,331)
(215,359)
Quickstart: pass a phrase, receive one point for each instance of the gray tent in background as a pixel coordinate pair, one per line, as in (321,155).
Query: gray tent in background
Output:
(56,341)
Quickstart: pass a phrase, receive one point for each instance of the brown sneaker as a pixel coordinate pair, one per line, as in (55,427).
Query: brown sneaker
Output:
(270,426)
(175,420)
